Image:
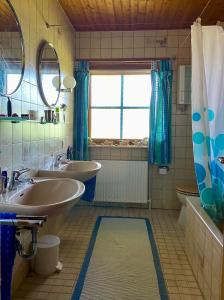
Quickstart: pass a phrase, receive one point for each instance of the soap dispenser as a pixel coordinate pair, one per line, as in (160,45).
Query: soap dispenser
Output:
(69,153)
(9,108)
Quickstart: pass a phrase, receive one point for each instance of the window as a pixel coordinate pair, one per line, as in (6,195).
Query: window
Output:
(119,106)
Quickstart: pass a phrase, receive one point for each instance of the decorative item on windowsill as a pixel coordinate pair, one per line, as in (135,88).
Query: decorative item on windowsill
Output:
(63,108)
(68,85)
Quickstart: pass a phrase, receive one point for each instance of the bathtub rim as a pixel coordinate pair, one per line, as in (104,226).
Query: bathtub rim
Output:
(194,202)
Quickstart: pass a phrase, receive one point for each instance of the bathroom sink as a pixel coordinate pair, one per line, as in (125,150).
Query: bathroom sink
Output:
(79,170)
(45,197)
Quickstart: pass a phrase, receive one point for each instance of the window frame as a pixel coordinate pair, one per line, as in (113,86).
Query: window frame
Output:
(121,107)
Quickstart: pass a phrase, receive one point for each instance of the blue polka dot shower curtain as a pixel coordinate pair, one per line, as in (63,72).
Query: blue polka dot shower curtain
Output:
(208,115)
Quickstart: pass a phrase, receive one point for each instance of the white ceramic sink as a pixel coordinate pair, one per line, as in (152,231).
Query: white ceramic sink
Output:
(79,170)
(45,197)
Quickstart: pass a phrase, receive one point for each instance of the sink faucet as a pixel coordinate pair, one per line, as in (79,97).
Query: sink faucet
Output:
(57,159)
(14,180)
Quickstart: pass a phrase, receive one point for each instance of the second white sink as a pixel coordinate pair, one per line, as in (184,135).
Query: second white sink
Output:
(79,170)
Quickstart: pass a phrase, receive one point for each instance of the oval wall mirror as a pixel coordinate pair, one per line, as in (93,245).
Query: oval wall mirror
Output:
(12,56)
(48,68)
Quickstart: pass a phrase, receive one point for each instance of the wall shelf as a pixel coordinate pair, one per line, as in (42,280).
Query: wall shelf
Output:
(19,119)
(13,119)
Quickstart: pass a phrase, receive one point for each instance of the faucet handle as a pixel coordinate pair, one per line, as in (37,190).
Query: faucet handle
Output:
(19,172)
(23,170)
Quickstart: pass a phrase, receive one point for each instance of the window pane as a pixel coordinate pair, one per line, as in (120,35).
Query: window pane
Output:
(105,90)
(105,123)
(137,90)
(135,123)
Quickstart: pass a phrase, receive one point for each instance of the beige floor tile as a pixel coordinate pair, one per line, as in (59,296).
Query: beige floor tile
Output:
(75,236)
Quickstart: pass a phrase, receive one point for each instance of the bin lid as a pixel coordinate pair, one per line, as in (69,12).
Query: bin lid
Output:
(48,241)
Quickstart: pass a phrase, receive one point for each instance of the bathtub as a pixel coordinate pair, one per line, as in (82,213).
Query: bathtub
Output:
(204,249)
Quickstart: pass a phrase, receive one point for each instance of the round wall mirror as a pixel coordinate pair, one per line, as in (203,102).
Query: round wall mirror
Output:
(47,69)
(12,57)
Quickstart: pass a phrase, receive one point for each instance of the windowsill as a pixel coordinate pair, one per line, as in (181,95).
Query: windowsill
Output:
(118,146)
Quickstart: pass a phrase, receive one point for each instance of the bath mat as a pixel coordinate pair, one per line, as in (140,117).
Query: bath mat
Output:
(121,262)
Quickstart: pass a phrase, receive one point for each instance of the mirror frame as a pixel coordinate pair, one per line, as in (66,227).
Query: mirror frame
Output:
(22,48)
(39,81)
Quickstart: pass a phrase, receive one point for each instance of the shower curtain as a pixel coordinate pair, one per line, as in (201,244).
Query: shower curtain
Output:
(208,115)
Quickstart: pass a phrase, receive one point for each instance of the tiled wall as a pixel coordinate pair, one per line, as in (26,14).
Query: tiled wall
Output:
(30,144)
(118,153)
(150,44)
(204,248)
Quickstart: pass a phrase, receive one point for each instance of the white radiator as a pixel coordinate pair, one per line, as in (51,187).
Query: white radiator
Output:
(122,181)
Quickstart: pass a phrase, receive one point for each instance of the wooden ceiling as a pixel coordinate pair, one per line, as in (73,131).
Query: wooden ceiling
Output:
(94,15)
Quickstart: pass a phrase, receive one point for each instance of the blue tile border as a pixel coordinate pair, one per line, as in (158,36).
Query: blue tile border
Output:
(81,279)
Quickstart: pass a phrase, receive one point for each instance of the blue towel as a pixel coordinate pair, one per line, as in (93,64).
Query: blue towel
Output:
(7,253)
(90,186)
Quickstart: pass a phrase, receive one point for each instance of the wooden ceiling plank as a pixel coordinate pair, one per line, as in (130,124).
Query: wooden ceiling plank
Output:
(134,12)
(119,17)
(157,14)
(214,13)
(149,12)
(139,14)
(125,10)
(74,12)
(89,10)
(186,14)
(104,8)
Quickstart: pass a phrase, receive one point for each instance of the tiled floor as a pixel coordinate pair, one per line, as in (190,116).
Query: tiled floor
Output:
(75,236)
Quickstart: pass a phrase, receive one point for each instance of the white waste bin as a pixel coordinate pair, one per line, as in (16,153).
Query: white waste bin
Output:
(47,257)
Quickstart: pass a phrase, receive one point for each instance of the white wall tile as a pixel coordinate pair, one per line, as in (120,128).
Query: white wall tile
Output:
(153,44)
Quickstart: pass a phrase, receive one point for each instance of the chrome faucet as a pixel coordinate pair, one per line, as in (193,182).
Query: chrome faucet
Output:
(14,180)
(57,159)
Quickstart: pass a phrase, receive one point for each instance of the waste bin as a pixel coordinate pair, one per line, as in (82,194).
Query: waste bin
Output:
(46,260)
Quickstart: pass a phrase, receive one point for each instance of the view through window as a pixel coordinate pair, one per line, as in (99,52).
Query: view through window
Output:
(119,106)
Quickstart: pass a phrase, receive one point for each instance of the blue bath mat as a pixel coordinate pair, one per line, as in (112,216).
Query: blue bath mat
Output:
(121,262)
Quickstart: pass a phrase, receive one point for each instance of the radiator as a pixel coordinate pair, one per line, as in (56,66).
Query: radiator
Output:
(122,181)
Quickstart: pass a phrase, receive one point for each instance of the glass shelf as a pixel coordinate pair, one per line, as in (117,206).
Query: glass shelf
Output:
(13,119)
(19,119)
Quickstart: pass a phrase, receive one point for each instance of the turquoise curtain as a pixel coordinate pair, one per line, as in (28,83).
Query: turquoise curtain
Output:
(80,142)
(2,78)
(159,150)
